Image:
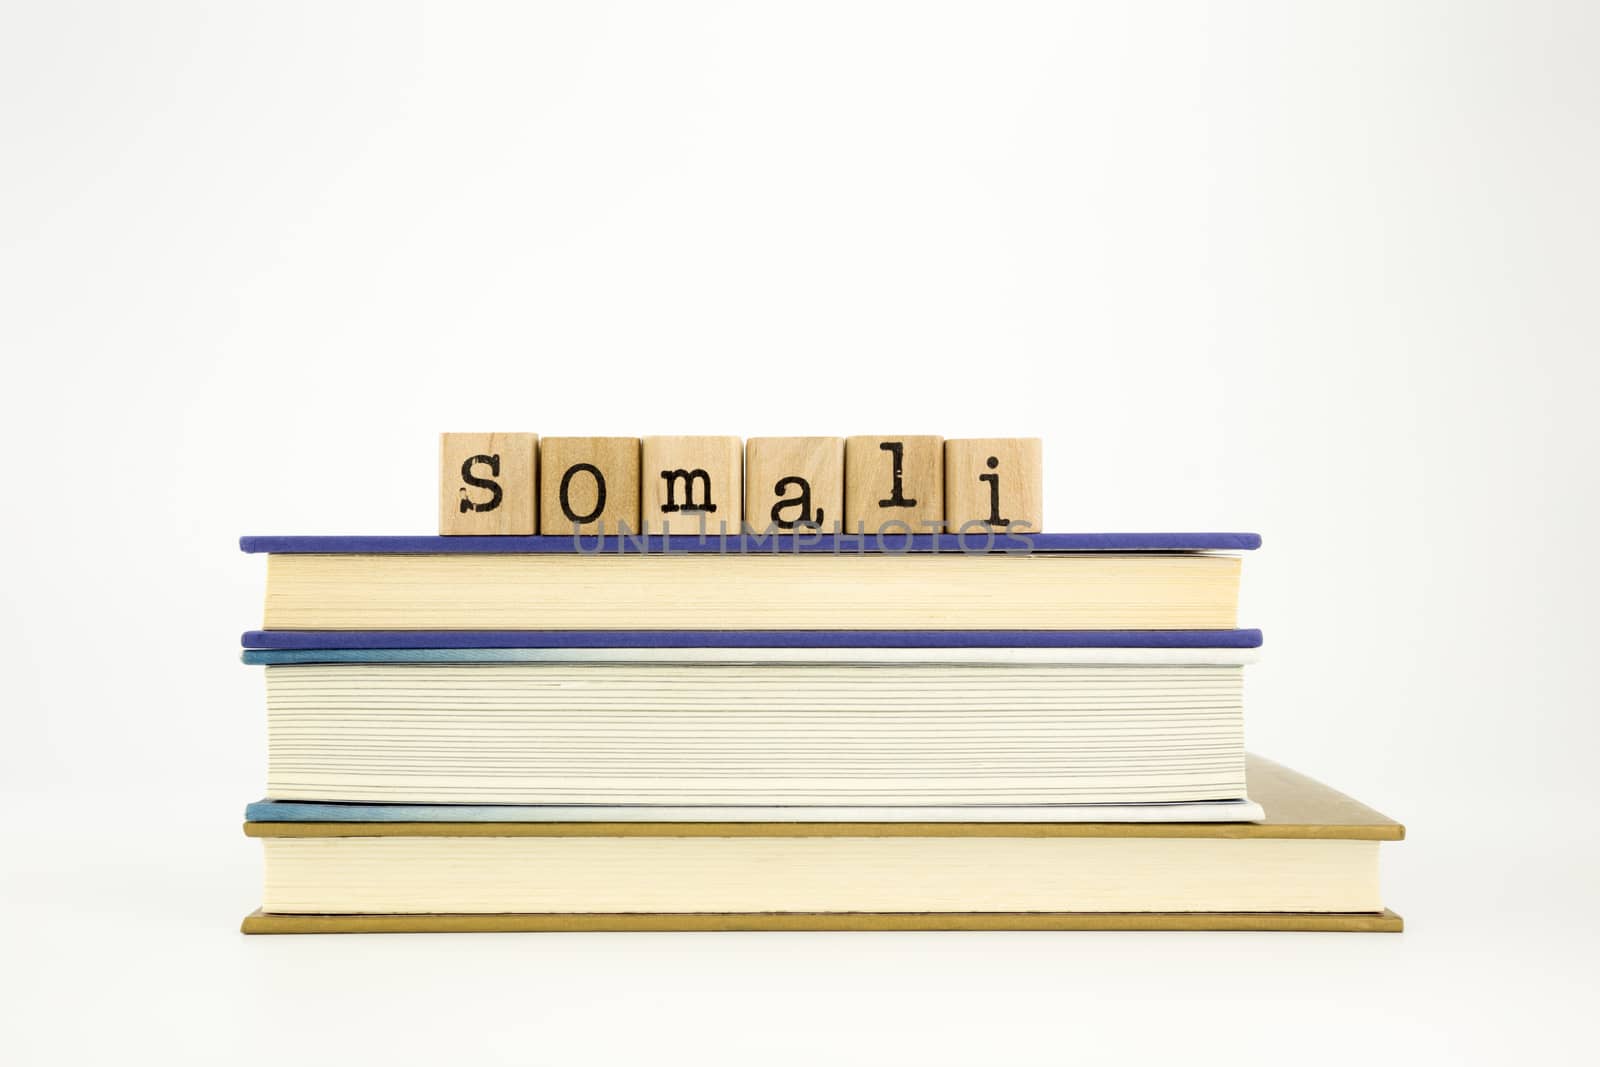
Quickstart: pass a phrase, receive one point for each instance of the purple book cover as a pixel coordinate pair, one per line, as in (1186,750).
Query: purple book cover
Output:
(733,544)
(482,639)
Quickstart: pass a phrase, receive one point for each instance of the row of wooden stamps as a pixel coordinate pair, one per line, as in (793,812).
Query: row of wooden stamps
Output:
(516,483)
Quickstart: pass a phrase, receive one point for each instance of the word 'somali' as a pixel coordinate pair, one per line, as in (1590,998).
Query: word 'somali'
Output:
(516,483)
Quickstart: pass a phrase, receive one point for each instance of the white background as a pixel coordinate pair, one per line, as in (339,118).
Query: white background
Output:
(1323,271)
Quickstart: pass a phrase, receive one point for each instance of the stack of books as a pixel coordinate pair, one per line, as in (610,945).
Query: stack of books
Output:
(681,733)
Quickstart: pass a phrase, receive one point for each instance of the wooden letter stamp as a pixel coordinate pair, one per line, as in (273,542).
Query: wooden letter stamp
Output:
(588,485)
(691,483)
(794,483)
(893,479)
(487,483)
(996,481)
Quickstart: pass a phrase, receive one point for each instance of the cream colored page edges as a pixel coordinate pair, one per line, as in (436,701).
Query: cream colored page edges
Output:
(949,591)
(597,733)
(531,874)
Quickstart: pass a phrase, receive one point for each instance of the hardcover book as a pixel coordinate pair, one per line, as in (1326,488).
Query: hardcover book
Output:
(758,727)
(1047,582)
(1311,864)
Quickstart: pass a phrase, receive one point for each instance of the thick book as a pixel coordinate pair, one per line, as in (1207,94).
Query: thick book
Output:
(1057,582)
(841,727)
(1311,864)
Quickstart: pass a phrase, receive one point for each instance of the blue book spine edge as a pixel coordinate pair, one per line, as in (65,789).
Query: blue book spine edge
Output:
(363,812)
(843,544)
(324,640)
